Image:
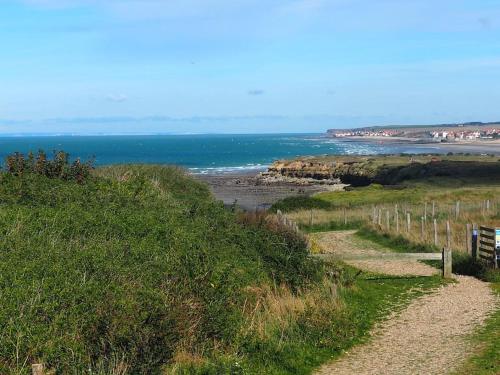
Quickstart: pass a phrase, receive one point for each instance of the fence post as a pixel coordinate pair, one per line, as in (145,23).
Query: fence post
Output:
(388,221)
(435,233)
(433,209)
(488,205)
(447,263)
(379,217)
(425,212)
(408,222)
(457,209)
(37,369)
(474,241)
(448,235)
(422,227)
(345,216)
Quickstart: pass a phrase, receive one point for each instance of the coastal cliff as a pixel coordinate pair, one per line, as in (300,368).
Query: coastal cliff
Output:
(347,171)
(384,169)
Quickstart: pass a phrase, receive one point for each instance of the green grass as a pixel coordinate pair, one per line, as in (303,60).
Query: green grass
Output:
(373,194)
(322,335)
(486,359)
(128,267)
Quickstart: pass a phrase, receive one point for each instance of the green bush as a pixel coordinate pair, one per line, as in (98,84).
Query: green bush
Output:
(59,167)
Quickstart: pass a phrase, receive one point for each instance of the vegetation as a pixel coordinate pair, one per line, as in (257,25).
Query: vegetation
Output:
(59,167)
(137,269)
(443,184)
(129,271)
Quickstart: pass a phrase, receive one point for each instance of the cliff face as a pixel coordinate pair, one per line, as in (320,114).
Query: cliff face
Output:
(348,172)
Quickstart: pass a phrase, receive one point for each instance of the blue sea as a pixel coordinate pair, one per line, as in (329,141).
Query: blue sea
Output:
(205,154)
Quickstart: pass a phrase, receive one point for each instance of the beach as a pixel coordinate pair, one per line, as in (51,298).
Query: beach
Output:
(466,146)
(248,192)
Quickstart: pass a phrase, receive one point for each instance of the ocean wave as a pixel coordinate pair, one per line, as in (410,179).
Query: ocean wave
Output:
(228,170)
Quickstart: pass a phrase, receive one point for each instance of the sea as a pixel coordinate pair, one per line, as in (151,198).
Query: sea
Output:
(200,153)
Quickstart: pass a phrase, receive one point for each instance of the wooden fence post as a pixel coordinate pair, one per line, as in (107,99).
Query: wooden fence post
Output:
(487,205)
(425,212)
(408,222)
(447,263)
(435,233)
(345,216)
(457,209)
(422,225)
(448,235)
(387,220)
(379,217)
(397,221)
(433,209)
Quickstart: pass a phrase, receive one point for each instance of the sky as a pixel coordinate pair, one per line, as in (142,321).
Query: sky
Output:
(245,66)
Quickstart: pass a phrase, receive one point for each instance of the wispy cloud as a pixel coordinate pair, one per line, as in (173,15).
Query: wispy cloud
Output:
(256,92)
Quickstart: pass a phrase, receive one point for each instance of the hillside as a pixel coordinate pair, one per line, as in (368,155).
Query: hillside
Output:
(132,269)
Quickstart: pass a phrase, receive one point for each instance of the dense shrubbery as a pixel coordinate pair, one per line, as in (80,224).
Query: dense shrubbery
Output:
(57,167)
(128,271)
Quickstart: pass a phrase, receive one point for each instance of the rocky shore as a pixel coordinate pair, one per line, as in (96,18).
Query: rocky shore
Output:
(252,192)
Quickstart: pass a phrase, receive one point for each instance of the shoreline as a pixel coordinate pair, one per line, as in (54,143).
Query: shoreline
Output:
(250,193)
(475,147)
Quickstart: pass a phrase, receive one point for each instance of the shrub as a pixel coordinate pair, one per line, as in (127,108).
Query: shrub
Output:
(59,167)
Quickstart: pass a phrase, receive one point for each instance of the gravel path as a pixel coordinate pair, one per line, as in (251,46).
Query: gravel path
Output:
(344,245)
(428,337)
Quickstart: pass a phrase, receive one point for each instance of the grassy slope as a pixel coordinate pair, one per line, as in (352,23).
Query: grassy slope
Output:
(319,335)
(140,268)
(127,271)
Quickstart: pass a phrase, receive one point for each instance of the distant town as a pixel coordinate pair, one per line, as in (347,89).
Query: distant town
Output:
(436,133)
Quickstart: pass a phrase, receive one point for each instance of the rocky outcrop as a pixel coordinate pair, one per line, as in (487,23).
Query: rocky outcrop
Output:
(356,172)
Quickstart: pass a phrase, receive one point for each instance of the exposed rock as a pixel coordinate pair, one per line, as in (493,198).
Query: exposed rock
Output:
(357,172)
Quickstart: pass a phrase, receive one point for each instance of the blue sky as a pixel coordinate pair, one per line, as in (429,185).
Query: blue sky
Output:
(245,65)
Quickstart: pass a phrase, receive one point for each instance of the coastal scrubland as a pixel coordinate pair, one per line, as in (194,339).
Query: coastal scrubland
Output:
(137,269)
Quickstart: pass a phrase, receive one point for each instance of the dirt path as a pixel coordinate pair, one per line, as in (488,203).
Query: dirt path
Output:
(429,336)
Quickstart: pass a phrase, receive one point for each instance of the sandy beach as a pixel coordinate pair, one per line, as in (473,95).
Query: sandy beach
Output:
(473,146)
